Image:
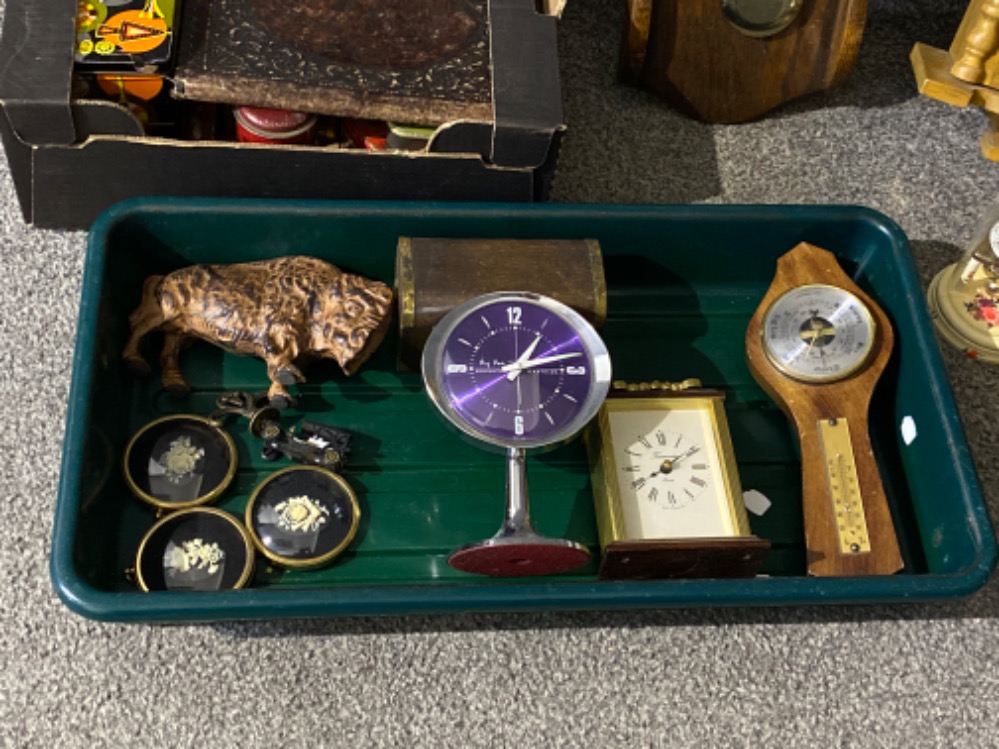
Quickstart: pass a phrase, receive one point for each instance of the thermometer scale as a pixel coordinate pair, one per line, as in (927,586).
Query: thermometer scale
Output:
(844,490)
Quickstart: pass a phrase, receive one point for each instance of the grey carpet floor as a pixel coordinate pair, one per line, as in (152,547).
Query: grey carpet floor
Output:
(870,676)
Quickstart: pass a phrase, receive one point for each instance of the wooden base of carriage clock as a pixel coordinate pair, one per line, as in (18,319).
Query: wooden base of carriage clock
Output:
(818,345)
(729,61)
(966,74)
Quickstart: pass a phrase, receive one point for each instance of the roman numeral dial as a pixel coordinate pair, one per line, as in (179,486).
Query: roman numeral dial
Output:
(668,468)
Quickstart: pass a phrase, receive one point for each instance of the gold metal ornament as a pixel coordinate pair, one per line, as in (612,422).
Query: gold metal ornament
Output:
(966,74)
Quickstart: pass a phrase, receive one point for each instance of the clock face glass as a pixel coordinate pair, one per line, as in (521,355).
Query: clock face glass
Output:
(761,18)
(519,372)
(302,516)
(818,333)
(669,473)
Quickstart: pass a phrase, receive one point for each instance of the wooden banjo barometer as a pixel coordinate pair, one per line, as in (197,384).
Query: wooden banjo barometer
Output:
(817,345)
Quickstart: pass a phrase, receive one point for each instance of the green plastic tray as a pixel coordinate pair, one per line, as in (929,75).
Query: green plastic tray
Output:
(682,284)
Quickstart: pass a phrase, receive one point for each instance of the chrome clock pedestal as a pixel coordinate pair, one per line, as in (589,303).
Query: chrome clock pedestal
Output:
(517,549)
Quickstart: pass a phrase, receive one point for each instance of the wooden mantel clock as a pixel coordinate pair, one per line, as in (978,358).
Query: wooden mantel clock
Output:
(729,61)
(817,345)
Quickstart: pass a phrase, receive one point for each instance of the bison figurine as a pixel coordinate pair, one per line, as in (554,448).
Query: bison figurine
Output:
(280,310)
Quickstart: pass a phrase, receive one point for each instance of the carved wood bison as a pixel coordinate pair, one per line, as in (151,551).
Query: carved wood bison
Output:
(280,310)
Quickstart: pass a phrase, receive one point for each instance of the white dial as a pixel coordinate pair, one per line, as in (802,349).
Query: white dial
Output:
(667,461)
(818,333)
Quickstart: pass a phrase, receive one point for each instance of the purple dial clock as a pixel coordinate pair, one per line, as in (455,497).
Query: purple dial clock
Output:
(517,370)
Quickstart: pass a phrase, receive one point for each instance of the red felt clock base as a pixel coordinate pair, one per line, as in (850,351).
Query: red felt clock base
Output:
(516,557)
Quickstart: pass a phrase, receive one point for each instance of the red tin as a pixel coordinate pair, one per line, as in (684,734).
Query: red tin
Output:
(261,125)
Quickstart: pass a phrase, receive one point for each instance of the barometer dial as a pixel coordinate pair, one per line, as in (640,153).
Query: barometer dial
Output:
(818,333)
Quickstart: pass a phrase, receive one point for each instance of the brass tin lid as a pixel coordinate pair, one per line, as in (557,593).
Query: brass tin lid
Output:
(302,516)
(197,549)
(179,461)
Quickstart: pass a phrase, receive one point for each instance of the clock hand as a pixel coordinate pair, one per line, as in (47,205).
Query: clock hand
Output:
(669,464)
(539,361)
(812,336)
(530,349)
(514,368)
(811,343)
(689,452)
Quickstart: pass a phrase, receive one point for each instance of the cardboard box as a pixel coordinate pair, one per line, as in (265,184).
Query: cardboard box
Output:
(71,158)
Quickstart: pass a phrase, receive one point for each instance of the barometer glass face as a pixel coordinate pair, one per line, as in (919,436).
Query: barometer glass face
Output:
(818,333)
(761,18)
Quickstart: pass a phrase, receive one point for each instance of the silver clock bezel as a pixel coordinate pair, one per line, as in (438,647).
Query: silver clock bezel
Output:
(433,354)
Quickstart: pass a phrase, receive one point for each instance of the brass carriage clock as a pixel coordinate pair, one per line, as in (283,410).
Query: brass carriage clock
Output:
(666,488)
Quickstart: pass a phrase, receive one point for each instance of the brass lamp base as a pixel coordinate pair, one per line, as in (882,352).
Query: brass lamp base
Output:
(961,320)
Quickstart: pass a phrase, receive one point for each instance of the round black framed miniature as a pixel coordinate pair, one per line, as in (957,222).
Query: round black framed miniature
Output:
(197,549)
(302,516)
(180,461)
